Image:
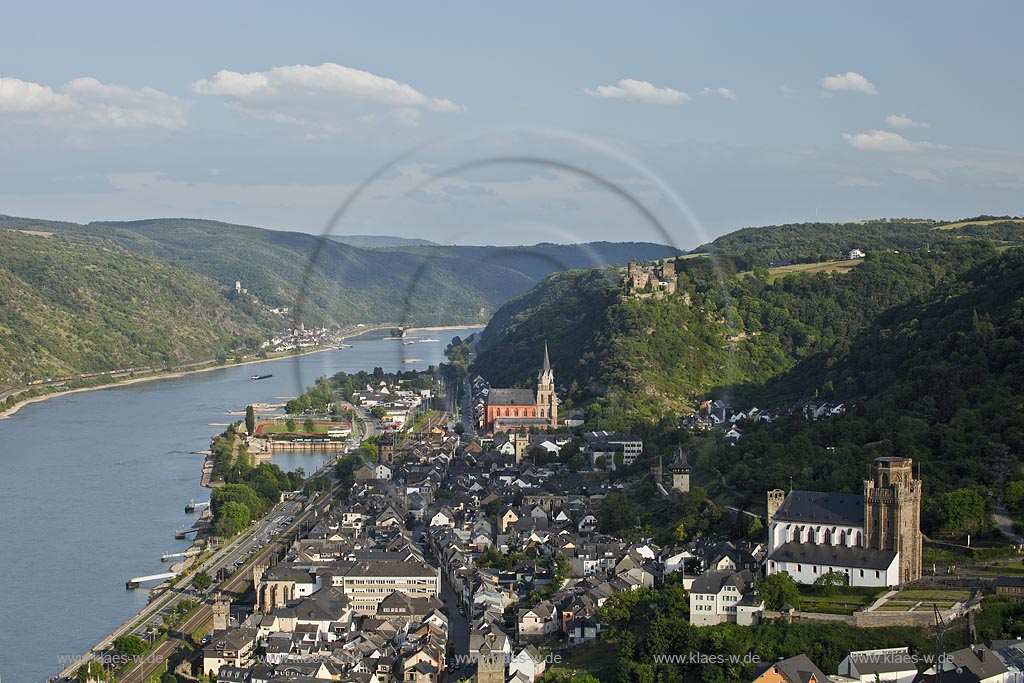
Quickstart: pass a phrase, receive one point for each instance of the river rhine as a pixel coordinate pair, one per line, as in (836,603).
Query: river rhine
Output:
(94,485)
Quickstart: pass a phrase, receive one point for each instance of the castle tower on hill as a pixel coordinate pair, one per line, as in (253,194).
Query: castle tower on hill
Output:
(661,280)
(892,513)
(547,401)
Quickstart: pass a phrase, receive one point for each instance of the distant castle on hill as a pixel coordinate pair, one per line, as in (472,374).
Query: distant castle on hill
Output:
(643,280)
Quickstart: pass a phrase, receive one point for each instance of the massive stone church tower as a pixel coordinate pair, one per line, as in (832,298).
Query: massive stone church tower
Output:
(547,400)
(892,513)
(874,538)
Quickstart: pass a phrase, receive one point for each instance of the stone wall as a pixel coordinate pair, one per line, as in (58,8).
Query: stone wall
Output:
(920,619)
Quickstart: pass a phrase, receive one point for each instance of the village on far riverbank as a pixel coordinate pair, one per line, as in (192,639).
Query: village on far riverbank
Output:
(43,390)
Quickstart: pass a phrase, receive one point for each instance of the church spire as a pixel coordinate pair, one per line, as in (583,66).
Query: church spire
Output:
(547,363)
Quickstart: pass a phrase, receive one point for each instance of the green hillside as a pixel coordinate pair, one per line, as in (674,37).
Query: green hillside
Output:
(70,307)
(939,379)
(337,283)
(925,350)
(640,359)
(811,242)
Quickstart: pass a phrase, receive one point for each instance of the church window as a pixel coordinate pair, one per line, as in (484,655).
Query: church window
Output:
(842,537)
(506,412)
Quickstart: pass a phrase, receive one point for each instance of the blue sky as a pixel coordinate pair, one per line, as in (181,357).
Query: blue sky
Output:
(714,117)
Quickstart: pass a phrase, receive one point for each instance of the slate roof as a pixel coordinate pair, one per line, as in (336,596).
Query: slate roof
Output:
(327,604)
(815,507)
(521,421)
(713,582)
(1010,581)
(979,660)
(288,572)
(741,557)
(511,397)
(835,555)
(952,676)
(392,568)
(869,662)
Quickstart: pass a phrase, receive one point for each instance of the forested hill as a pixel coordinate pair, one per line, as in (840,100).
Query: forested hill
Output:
(69,307)
(939,379)
(630,359)
(812,242)
(340,283)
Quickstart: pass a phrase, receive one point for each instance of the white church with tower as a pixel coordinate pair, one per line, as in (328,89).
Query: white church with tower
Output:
(873,538)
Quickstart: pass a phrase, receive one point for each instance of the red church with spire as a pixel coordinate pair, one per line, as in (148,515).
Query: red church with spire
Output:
(521,409)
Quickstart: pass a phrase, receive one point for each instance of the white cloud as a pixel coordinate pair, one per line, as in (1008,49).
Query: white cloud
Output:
(327,81)
(903,121)
(17,95)
(638,91)
(724,93)
(88,103)
(885,141)
(851,81)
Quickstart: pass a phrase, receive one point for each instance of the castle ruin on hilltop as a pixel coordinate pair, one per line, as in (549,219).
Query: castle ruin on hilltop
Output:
(644,280)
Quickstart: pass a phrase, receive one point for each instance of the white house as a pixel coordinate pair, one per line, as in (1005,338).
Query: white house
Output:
(444,517)
(714,596)
(382,471)
(855,254)
(537,623)
(675,560)
(528,661)
(574,420)
(587,524)
(236,647)
(550,446)
(885,664)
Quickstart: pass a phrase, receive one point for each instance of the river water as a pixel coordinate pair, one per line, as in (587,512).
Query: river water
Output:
(93,486)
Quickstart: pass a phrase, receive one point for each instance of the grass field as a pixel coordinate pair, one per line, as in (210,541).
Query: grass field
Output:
(961,224)
(843,603)
(280,428)
(820,267)
(933,595)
